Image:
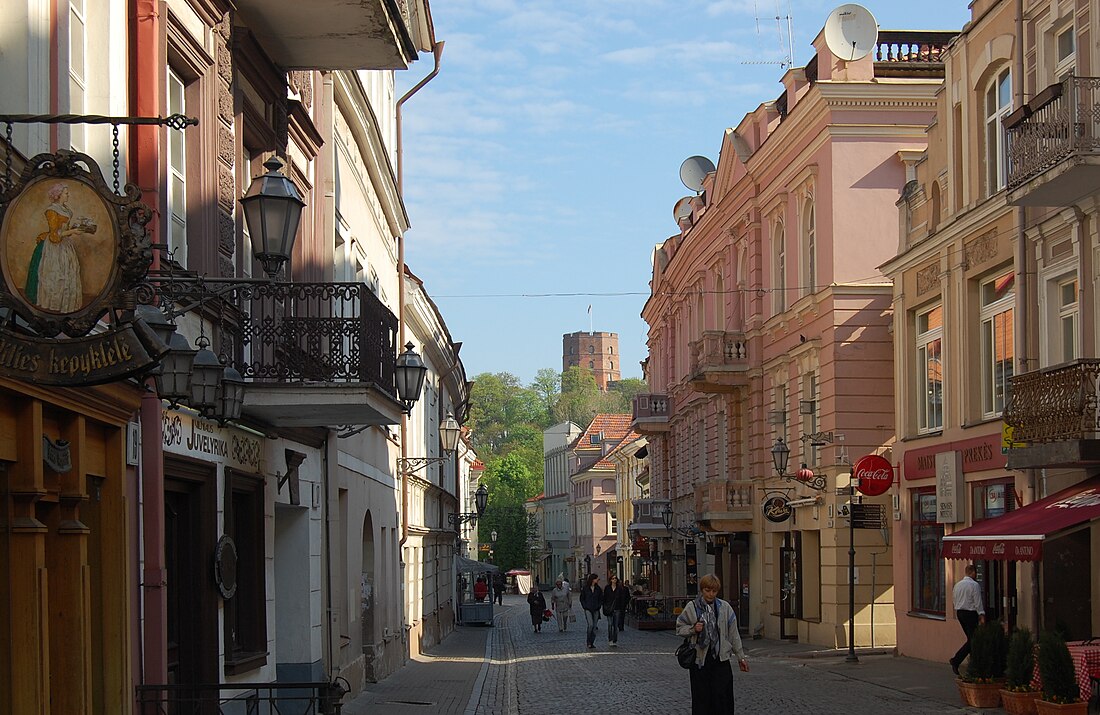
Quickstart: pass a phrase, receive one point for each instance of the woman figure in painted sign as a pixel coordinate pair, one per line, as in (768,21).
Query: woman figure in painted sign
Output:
(53,276)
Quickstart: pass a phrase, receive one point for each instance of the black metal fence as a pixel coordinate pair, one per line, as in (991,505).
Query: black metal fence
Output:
(241,699)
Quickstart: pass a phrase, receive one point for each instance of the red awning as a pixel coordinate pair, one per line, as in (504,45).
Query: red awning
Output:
(1019,535)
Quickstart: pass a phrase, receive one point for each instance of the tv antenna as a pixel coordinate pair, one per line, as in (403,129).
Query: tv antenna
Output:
(851,32)
(786,47)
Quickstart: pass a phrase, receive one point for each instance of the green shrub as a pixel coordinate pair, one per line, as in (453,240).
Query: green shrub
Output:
(1056,670)
(988,653)
(1020,665)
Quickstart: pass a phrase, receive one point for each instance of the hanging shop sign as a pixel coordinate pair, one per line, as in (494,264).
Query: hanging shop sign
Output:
(193,436)
(873,474)
(72,252)
(777,508)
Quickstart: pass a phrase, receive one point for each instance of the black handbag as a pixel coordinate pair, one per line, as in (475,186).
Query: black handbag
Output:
(685,654)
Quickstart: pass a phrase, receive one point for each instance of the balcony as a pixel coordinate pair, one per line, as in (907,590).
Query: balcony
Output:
(1054,145)
(1054,415)
(724,506)
(312,354)
(651,413)
(907,53)
(719,362)
(336,34)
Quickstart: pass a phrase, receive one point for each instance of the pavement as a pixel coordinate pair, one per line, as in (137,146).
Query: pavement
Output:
(508,669)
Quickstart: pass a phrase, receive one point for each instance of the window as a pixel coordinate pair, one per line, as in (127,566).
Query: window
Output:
(929,589)
(997,300)
(719,303)
(1068,316)
(78,73)
(245,613)
(992,498)
(177,173)
(809,249)
(1065,52)
(612,524)
(591,365)
(779,268)
(998,103)
(929,365)
(809,417)
(610,364)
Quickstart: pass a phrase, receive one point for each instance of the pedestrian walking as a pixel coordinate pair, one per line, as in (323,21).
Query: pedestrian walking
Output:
(562,603)
(615,598)
(712,624)
(537,603)
(498,587)
(592,603)
(967,596)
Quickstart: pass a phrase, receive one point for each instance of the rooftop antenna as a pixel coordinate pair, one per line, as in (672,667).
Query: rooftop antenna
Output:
(788,47)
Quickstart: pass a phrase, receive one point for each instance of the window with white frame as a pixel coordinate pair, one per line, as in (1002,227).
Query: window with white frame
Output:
(779,269)
(1065,51)
(809,248)
(1065,337)
(612,524)
(78,71)
(996,297)
(929,367)
(998,104)
(177,173)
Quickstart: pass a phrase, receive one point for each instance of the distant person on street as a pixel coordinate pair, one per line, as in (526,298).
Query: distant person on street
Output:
(713,624)
(537,603)
(967,596)
(615,598)
(481,589)
(562,603)
(498,587)
(592,603)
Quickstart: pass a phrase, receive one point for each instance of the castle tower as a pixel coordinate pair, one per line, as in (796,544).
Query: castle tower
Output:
(596,352)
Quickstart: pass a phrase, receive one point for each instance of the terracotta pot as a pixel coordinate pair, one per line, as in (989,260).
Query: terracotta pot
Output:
(1043,707)
(1016,703)
(980,695)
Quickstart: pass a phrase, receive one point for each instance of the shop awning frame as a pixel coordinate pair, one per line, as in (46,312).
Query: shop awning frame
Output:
(1019,535)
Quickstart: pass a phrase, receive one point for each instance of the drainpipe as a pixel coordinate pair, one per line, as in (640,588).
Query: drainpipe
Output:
(1022,308)
(437,50)
(144,159)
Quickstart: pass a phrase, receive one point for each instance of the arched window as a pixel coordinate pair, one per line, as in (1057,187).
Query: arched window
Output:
(934,208)
(591,349)
(700,324)
(610,364)
(809,248)
(998,104)
(779,269)
(591,365)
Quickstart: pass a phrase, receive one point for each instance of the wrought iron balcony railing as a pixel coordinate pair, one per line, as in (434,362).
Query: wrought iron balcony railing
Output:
(1061,122)
(295,332)
(236,698)
(1056,404)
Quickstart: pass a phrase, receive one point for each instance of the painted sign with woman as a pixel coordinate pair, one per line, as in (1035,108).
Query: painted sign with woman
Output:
(59,245)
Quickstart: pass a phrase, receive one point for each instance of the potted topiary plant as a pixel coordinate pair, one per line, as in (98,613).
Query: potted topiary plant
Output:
(981,686)
(1060,691)
(1018,697)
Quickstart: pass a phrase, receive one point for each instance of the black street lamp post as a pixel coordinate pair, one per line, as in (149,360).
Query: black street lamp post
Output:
(852,657)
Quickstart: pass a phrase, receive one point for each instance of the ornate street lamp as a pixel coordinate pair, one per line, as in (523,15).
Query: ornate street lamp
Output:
(481,499)
(780,454)
(409,371)
(272,210)
(205,378)
(230,395)
(173,374)
(449,433)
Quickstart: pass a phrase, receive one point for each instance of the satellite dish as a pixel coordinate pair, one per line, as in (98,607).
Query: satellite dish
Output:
(851,32)
(693,171)
(682,210)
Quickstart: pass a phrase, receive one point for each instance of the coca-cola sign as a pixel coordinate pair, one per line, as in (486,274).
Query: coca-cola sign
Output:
(873,475)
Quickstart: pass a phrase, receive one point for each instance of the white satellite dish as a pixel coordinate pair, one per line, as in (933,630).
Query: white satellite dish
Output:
(694,170)
(682,209)
(851,32)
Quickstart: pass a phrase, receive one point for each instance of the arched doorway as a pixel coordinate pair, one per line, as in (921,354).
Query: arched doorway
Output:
(368,597)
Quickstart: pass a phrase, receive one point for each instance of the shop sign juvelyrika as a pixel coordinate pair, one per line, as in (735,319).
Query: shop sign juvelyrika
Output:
(192,436)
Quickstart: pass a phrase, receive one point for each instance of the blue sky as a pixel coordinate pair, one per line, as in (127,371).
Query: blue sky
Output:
(542,163)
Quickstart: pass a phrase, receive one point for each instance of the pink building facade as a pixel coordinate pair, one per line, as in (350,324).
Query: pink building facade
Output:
(769,320)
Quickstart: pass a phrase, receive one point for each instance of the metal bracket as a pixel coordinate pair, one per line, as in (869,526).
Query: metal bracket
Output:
(411,465)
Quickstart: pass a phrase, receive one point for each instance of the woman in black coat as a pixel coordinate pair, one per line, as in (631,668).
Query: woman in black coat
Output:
(537,602)
(592,602)
(615,598)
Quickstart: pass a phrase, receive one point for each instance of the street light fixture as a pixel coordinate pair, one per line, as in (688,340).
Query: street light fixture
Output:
(690,532)
(481,498)
(272,210)
(409,371)
(781,454)
(449,432)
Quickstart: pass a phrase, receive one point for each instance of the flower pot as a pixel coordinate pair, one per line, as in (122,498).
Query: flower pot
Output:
(1044,707)
(1019,703)
(980,695)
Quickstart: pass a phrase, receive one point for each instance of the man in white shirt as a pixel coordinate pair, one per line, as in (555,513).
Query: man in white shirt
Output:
(967,596)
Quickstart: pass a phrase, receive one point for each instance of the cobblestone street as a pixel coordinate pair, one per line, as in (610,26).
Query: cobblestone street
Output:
(549,673)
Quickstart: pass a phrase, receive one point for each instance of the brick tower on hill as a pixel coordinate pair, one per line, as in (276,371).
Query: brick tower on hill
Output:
(596,352)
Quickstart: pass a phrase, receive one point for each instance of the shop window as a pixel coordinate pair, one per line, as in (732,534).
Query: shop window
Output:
(929,589)
(997,300)
(991,499)
(246,611)
(929,367)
